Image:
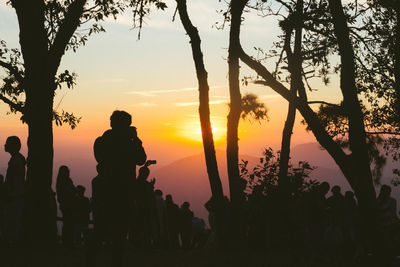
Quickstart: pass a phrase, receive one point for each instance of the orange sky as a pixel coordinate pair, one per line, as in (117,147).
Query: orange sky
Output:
(154,80)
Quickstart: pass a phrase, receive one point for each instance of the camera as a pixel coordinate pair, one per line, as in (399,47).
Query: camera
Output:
(150,162)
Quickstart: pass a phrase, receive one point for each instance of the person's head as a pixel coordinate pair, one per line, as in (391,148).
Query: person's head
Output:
(120,120)
(209,205)
(335,190)
(158,192)
(385,191)
(185,205)
(324,188)
(80,190)
(168,198)
(63,171)
(144,173)
(12,145)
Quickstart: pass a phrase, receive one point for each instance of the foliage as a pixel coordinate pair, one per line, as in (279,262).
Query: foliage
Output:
(56,18)
(263,178)
(253,109)
(12,89)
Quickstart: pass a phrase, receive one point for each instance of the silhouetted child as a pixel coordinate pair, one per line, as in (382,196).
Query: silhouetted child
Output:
(186,225)
(14,189)
(66,199)
(145,223)
(82,213)
(100,207)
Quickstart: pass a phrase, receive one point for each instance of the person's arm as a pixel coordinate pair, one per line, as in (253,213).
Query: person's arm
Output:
(137,148)
(141,154)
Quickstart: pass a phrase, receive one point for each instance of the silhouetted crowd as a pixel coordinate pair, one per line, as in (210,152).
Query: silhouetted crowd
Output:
(154,222)
(317,228)
(125,206)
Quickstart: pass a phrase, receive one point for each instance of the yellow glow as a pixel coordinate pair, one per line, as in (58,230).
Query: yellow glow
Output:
(191,130)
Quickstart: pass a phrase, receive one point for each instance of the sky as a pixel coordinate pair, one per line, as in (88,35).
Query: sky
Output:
(154,80)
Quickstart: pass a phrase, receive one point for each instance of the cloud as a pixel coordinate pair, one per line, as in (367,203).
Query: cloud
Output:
(113,80)
(212,116)
(157,92)
(166,91)
(145,104)
(187,104)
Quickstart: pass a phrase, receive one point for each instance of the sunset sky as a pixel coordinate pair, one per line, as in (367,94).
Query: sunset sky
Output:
(154,79)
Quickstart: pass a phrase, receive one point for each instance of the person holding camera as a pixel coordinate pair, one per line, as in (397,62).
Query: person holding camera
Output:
(118,151)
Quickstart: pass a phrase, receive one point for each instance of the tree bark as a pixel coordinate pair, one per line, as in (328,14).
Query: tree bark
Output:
(204,113)
(362,177)
(232,149)
(237,227)
(41,62)
(296,85)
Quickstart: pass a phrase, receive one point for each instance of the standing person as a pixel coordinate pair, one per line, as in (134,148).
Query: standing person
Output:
(388,221)
(161,214)
(81,212)
(186,225)
(14,191)
(66,197)
(117,152)
(172,222)
(387,207)
(144,226)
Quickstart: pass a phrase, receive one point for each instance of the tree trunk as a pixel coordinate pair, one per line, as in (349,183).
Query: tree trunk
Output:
(237,230)
(40,202)
(39,86)
(361,180)
(205,121)
(41,62)
(232,149)
(296,85)
(359,177)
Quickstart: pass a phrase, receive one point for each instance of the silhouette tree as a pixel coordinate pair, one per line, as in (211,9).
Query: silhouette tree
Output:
(292,23)
(47,29)
(204,113)
(361,178)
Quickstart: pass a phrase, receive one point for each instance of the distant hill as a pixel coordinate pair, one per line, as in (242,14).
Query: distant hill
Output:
(186,179)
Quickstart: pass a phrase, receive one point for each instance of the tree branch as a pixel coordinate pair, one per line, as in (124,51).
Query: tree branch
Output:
(12,69)
(12,104)
(65,32)
(308,114)
(322,102)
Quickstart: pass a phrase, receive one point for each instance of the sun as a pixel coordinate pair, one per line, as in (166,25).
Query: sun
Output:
(191,130)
